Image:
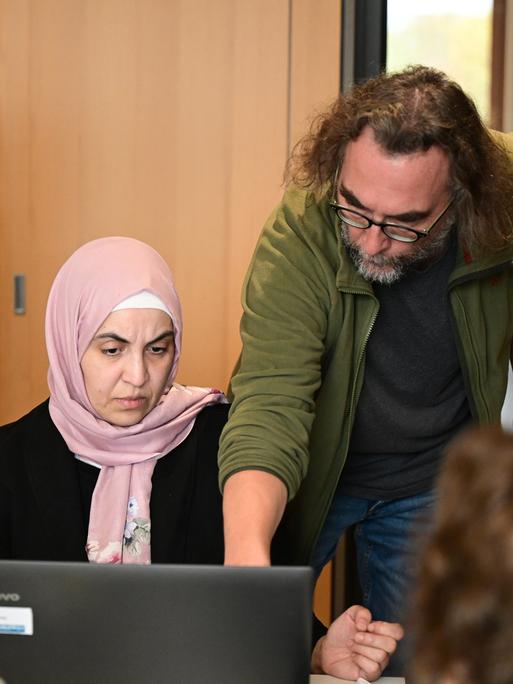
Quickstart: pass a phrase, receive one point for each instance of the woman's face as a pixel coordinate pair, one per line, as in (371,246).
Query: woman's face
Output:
(127,363)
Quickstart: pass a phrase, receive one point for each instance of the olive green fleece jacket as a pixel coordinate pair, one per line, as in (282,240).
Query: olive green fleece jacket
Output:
(307,317)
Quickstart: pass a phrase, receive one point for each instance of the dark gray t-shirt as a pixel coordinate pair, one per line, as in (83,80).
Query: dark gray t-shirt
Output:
(413,400)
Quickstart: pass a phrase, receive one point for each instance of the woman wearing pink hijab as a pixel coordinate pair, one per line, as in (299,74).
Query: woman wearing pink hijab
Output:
(119,466)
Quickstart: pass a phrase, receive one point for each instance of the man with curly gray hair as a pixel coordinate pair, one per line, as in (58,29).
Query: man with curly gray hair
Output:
(378,322)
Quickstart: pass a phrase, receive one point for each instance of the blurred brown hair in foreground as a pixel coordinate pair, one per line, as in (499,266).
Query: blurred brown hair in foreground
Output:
(463,617)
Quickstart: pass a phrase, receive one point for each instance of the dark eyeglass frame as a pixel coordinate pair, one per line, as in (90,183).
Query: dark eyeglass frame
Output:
(415,234)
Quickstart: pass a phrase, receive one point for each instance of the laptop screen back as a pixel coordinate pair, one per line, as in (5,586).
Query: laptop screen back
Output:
(90,624)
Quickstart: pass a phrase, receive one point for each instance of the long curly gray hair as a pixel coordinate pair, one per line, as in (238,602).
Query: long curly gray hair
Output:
(409,111)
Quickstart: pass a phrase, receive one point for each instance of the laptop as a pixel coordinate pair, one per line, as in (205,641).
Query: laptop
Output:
(76,623)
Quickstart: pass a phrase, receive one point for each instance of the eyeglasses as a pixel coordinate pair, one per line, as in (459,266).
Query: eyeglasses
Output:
(392,230)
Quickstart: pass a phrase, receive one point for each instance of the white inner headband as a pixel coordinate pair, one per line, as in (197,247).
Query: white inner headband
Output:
(142,300)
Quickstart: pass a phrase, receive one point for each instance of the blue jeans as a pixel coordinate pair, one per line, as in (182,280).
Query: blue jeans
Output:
(388,536)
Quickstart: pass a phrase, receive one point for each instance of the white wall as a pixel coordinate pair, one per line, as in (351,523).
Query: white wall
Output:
(507,409)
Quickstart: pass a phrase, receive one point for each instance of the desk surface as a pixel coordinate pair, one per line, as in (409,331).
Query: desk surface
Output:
(326,679)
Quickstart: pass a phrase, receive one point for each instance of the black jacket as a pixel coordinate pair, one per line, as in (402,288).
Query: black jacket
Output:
(45,494)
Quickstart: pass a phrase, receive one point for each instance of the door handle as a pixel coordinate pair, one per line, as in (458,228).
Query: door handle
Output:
(19,293)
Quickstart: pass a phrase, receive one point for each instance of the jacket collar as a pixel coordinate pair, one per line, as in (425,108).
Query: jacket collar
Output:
(468,267)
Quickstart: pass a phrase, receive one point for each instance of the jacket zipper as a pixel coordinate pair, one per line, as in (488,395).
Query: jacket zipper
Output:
(352,402)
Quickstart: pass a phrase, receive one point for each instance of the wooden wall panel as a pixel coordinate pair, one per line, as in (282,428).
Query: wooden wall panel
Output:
(165,120)
(161,120)
(315,64)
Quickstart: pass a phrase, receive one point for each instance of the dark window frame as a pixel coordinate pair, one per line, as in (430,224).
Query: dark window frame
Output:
(363,40)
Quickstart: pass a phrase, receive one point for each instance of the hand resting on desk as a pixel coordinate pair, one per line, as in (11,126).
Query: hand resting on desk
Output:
(356,646)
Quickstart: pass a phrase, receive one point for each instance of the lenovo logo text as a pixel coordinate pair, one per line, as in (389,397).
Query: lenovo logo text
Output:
(9,597)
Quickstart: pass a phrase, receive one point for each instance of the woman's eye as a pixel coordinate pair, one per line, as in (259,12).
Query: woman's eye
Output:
(111,351)
(157,349)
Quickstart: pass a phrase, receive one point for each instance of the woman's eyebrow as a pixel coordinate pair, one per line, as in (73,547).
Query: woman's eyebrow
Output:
(167,333)
(118,338)
(111,336)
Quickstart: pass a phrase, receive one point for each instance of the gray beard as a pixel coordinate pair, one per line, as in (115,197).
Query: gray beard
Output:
(387,270)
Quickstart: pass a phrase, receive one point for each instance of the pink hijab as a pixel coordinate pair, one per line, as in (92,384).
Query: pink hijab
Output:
(96,278)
